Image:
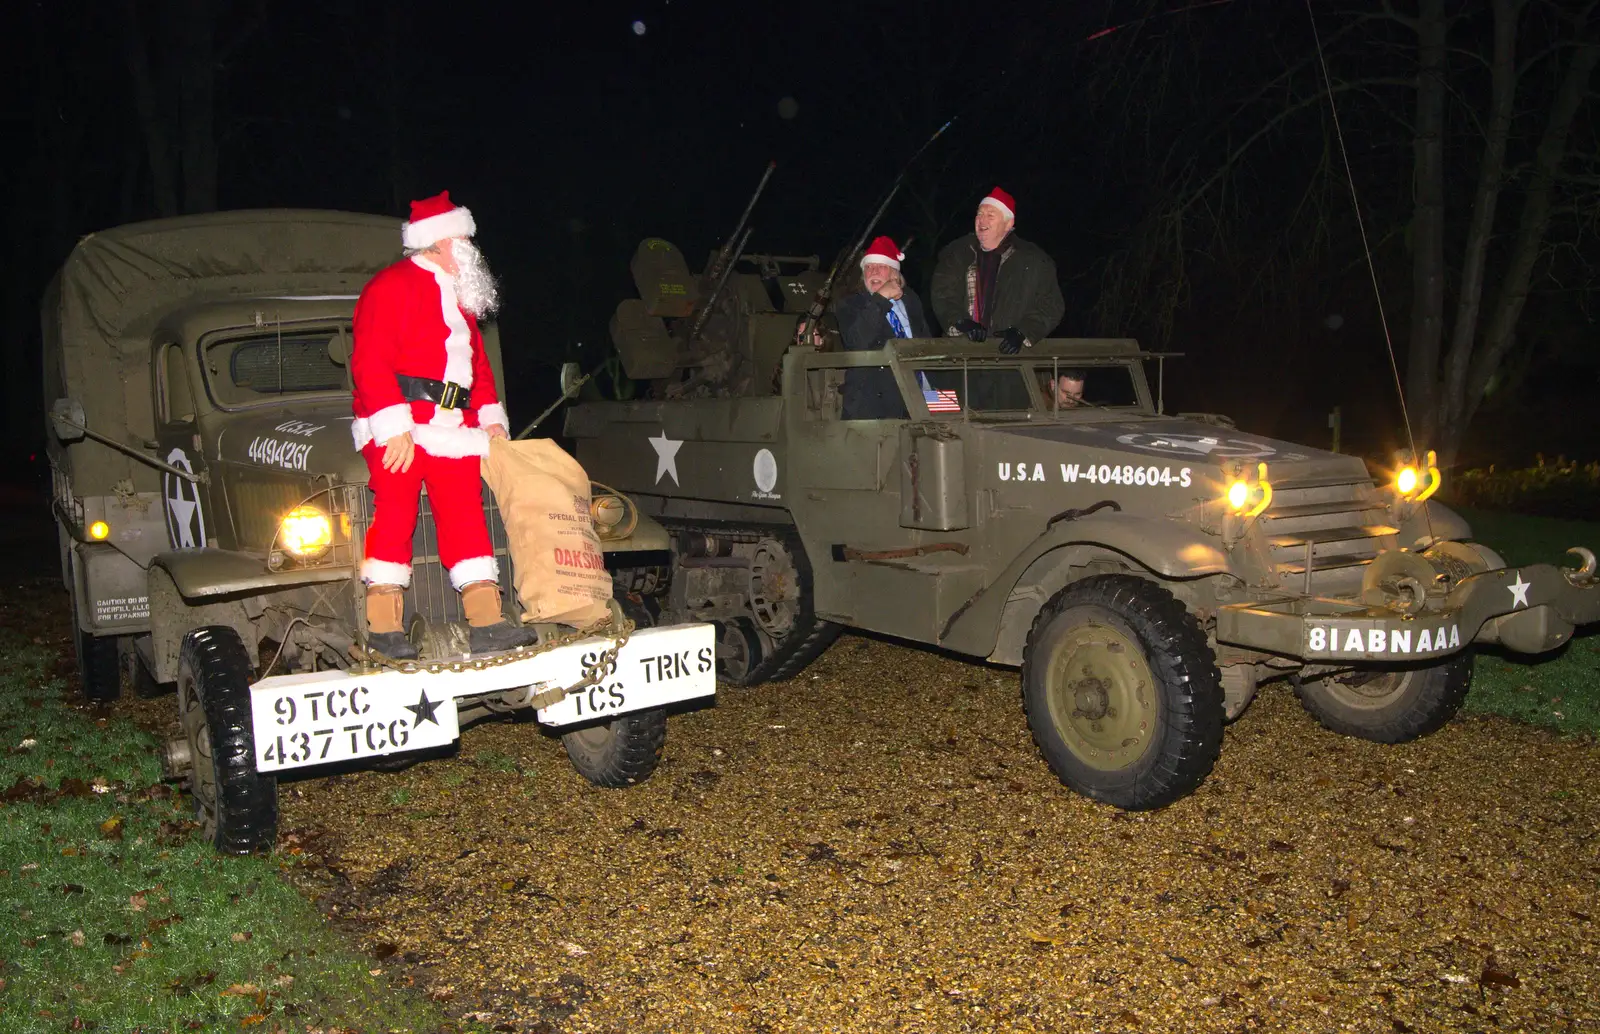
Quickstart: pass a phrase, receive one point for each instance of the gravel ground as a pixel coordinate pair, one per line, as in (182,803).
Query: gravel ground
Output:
(876,845)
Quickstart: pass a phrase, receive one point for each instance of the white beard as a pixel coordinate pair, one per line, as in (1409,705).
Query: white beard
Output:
(476,288)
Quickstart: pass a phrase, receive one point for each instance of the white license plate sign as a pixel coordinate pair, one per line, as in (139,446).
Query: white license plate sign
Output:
(658,666)
(323,722)
(321,718)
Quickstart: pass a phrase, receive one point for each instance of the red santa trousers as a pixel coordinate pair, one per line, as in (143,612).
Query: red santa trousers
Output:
(455,492)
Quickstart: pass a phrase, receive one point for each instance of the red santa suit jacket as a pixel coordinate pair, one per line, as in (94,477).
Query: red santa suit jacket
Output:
(407,321)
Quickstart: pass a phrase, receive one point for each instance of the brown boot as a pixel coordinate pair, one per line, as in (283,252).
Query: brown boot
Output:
(386,611)
(488,630)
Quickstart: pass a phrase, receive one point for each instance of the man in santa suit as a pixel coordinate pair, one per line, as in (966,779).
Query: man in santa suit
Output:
(425,409)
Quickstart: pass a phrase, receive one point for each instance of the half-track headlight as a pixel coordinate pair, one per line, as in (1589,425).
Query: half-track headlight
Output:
(1246,498)
(305,533)
(1415,482)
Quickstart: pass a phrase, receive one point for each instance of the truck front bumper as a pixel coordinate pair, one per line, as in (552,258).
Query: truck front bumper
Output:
(1528,609)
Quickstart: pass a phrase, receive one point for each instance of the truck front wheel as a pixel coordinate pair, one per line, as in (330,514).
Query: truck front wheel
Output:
(236,805)
(1393,706)
(1122,692)
(623,750)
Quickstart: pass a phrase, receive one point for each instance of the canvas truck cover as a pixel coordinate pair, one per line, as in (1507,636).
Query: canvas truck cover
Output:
(117,285)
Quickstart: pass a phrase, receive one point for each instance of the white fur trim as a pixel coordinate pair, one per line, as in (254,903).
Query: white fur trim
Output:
(385,572)
(361,432)
(474,569)
(1009,214)
(879,260)
(424,232)
(390,421)
(493,413)
(451,442)
(458,342)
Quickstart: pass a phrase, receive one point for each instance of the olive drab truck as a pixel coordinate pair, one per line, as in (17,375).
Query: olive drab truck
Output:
(1147,572)
(211,509)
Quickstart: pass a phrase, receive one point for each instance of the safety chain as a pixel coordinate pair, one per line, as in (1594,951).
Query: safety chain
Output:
(616,625)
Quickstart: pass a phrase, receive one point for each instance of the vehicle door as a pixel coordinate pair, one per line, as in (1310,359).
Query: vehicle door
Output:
(845,488)
(175,379)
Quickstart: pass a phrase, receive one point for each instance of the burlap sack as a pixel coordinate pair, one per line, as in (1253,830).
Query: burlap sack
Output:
(543,496)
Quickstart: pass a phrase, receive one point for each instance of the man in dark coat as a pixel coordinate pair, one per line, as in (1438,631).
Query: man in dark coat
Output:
(884,308)
(993,284)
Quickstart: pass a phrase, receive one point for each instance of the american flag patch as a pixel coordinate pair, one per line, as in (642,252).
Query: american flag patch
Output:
(941,401)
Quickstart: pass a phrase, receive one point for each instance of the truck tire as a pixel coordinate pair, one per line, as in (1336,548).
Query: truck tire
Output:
(740,650)
(237,806)
(1122,692)
(623,750)
(620,751)
(99,667)
(1393,706)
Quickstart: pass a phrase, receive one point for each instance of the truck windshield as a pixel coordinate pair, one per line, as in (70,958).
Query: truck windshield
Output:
(243,370)
(1000,389)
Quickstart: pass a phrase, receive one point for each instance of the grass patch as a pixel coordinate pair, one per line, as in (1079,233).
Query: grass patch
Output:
(1558,690)
(117,917)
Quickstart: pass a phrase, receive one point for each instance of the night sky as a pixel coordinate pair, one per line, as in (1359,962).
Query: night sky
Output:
(575,132)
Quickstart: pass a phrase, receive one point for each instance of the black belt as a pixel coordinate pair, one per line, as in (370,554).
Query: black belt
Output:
(444,394)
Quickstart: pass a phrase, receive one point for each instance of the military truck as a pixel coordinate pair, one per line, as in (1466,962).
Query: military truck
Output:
(1147,572)
(211,509)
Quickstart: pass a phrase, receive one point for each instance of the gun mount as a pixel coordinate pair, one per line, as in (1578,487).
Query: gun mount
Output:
(689,340)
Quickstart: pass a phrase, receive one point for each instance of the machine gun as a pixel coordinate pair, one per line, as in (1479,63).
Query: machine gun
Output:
(727,255)
(819,302)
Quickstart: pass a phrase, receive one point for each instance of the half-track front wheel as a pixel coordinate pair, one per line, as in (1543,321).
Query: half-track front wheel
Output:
(623,750)
(237,806)
(1392,706)
(1122,692)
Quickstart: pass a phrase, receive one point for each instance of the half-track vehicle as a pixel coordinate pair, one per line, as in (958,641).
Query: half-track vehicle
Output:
(211,509)
(1147,572)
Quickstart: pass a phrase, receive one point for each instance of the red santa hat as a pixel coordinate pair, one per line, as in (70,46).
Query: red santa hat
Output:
(883,252)
(1001,200)
(435,218)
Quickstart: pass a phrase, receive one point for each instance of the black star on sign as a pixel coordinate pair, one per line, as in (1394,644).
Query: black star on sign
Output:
(424,709)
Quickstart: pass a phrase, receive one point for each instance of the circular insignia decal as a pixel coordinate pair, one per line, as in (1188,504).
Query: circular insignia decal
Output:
(186,519)
(1219,448)
(766,470)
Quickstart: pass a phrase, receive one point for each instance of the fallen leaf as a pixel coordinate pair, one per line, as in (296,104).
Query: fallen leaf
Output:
(1494,976)
(239,991)
(574,950)
(253,1019)
(240,938)
(285,981)
(383,950)
(76,937)
(111,828)
(136,902)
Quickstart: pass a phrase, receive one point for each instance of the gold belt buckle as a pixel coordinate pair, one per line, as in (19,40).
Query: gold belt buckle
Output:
(452,395)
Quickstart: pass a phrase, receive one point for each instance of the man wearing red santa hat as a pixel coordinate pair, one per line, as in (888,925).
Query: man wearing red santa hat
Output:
(425,408)
(884,308)
(992,283)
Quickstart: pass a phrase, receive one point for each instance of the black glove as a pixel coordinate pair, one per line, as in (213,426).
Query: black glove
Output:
(974,330)
(1011,341)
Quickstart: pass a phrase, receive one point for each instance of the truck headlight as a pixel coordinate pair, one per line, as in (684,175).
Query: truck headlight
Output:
(305,532)
(1415,483)
(99,531)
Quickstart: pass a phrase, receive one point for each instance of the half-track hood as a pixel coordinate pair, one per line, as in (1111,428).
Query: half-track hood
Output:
(1206,448)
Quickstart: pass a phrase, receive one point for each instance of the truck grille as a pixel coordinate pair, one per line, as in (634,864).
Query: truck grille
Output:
(431,593)
(1337,526)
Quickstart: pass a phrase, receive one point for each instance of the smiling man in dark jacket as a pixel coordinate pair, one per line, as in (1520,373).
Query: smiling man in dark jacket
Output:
(993,284)
(884,308)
